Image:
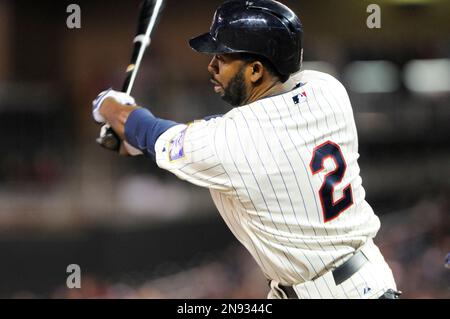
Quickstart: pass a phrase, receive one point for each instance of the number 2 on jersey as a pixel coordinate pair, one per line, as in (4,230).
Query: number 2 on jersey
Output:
(331,208)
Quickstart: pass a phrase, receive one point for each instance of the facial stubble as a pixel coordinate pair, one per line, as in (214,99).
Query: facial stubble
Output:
(236,93)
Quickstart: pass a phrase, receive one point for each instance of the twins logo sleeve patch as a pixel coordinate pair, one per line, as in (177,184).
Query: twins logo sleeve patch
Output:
(176,146)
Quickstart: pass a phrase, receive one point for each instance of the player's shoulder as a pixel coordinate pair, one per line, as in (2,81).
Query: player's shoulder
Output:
(317,78)
(318,84)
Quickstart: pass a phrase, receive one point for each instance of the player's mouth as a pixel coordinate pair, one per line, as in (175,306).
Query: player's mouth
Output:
(218,88)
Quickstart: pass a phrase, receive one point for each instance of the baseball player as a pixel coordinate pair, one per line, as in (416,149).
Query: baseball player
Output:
(281,165)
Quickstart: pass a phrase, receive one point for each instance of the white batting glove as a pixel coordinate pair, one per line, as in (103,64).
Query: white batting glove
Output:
(120,97)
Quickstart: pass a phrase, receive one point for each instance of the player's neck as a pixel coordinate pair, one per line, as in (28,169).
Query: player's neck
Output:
(264,90)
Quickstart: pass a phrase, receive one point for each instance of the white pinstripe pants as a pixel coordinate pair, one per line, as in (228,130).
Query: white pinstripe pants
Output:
(370,282)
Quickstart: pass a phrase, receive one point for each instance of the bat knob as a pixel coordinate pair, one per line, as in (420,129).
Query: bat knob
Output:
(109,140)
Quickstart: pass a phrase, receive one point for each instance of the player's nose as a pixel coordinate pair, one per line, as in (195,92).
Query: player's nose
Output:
(213,66)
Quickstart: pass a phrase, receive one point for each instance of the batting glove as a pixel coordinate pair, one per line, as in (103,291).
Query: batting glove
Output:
(120,97)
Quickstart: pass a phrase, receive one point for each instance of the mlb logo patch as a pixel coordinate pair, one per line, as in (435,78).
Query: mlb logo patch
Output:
(300,98)
(176,146)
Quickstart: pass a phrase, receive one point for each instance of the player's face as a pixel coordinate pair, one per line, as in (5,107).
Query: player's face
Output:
(228,76)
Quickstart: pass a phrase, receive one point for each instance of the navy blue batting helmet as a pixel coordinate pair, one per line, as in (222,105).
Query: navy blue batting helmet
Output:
(262,27)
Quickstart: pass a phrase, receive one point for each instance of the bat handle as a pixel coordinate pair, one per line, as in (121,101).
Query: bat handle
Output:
(109,139)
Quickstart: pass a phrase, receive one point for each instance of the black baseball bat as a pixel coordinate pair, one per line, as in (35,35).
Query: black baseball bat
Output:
(148,17)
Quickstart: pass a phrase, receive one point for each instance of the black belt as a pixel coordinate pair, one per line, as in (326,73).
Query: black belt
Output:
(340,274)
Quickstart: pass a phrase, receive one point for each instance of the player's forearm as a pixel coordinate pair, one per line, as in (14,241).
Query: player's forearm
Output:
(116,115)
(142,130)
(138,126)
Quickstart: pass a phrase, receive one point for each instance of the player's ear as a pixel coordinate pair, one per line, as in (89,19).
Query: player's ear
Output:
(256,71)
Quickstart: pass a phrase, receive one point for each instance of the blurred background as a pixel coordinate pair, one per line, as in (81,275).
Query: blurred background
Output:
(138,232)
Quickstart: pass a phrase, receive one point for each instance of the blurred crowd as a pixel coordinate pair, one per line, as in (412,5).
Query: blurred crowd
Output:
(415,243)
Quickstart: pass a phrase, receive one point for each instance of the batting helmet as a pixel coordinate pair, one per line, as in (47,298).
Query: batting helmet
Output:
(262,27)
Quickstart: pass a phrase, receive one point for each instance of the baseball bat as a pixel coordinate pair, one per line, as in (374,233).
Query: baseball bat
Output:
(149,13)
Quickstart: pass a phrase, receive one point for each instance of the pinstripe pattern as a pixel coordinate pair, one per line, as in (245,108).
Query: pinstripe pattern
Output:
(256,162)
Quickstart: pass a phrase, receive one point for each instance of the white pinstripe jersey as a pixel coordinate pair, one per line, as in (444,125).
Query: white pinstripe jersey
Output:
(284,175)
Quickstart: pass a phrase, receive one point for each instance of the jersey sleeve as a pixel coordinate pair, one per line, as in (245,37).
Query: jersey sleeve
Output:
(189,152)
